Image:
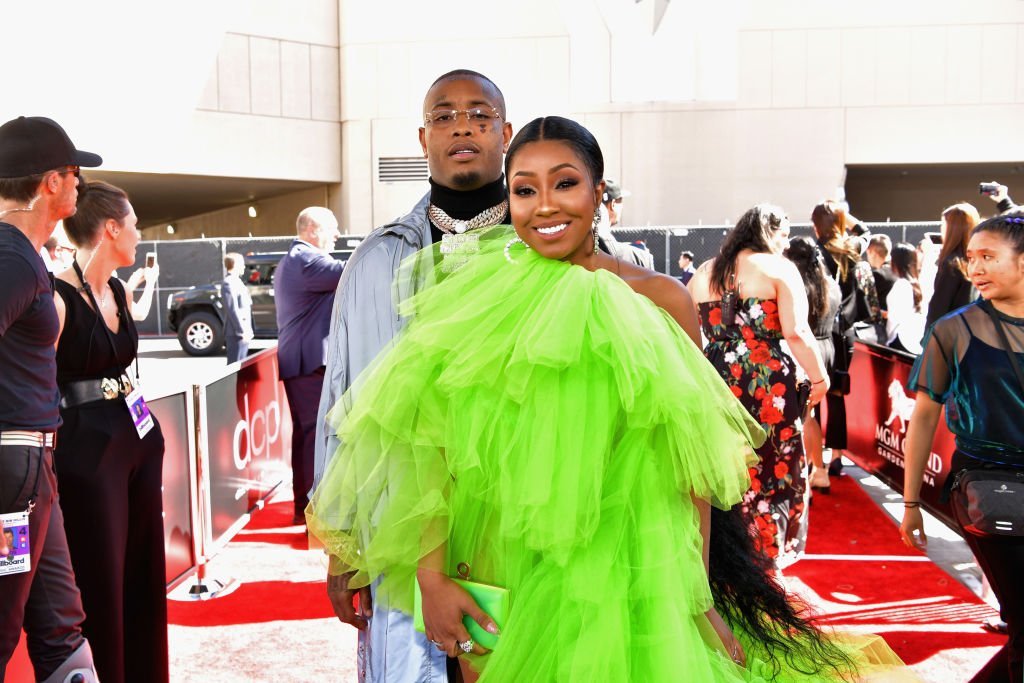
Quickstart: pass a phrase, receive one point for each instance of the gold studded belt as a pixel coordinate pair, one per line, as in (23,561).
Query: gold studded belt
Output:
(84,391)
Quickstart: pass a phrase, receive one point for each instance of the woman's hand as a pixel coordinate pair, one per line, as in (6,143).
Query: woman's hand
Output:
(819,390)
(444,604)
(912,529)
(732,645)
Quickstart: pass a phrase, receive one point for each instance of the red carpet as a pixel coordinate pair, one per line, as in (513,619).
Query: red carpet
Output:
(857,575)
(919,609)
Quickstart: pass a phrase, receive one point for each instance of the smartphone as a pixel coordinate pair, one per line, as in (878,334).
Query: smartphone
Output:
(934,237)
(988,189)
(151,259)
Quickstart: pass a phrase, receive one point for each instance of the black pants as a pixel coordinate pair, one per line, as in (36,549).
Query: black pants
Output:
(110,491)
(45,600)
(303,403)
(835,426)
(1002,559)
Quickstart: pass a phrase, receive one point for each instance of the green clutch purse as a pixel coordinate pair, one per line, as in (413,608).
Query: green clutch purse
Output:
(494,601)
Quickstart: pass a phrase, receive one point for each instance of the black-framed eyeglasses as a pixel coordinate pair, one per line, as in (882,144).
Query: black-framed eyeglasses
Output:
(442,118)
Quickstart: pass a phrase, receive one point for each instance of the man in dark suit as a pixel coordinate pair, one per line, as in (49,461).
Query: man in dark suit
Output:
(304,286)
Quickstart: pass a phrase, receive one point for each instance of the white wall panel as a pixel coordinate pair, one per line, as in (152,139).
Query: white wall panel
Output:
(789,68)
(233,94)
(265,76)
(296,89)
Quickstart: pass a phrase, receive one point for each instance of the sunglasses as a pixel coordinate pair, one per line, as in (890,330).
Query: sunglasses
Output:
(75,170)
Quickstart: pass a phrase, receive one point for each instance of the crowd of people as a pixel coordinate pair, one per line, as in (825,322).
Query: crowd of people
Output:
(528,456)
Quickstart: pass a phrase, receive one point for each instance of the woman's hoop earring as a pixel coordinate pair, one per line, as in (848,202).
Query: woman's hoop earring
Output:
(509,245)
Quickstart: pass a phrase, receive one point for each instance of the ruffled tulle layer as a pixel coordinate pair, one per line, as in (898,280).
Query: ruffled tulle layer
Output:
(548,426)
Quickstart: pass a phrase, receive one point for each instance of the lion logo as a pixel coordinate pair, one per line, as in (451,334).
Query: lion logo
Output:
(902,406)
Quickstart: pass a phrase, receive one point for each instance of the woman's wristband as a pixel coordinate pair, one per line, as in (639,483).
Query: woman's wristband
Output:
(820,381)
(911,503)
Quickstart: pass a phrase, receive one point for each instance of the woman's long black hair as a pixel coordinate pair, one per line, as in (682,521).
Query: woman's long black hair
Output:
(748,597)
(752,231)
(803,252)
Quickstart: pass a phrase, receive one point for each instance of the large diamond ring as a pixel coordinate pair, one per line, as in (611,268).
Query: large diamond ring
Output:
(466,646)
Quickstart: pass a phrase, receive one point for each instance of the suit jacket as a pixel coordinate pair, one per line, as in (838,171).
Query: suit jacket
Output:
(884,280)
(237,308)
(952,291)
(304,284)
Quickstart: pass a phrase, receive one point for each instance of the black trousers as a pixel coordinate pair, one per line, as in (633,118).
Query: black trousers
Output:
(1002,559)
(303,403)
(45,600)
(110,491)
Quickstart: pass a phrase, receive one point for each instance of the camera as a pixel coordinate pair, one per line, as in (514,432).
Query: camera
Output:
(988,189)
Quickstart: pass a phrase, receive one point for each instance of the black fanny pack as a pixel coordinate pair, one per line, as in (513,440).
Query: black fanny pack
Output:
(990,501)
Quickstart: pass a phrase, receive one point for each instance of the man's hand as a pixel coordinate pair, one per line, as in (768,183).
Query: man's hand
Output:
(341,597)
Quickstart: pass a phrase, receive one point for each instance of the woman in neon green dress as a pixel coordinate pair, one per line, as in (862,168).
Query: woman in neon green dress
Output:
(546,419)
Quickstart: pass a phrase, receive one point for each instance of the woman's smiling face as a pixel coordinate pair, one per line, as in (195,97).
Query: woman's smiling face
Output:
(553,199)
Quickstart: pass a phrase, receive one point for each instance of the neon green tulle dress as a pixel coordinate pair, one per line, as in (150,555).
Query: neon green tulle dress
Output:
(548,425)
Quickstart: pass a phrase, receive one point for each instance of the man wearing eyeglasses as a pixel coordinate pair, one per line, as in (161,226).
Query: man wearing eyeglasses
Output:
(463,137)
(39,169)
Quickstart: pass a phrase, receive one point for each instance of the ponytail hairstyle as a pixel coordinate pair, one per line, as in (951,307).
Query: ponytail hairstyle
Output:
(904,265)
(830,224)
(752,231)
(960,220)
(803,252)
(97,202)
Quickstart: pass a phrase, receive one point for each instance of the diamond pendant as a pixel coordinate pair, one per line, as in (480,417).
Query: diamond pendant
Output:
(457,249)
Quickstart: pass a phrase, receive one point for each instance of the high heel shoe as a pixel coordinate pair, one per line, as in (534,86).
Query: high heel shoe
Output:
(819,481)
(835,466)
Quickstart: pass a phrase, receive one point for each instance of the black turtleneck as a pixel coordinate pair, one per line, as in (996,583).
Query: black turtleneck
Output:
(463,205)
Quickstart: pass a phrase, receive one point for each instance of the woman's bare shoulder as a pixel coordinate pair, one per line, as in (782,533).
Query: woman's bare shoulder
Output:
(663,290)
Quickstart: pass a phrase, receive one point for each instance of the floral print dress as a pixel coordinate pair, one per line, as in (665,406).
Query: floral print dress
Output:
(750,357)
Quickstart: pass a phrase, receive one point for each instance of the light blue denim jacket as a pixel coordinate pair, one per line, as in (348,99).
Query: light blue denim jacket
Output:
(363,322)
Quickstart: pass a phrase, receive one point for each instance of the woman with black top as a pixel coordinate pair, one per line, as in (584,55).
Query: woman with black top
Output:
(966,367)
(859,302)
(952,287)
(109,456)
(823,297)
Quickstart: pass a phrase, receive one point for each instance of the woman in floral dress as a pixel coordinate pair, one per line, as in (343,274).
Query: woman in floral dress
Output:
(769,306)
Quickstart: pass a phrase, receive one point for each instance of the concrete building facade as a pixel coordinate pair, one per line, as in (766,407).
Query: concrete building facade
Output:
(701,111)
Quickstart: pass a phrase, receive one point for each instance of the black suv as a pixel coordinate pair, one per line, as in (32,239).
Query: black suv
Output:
(197,314)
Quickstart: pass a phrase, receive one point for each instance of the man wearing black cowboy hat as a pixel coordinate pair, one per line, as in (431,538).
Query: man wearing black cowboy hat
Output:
(39,169)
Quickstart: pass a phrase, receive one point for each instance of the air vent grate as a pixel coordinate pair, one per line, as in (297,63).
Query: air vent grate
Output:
(402,169)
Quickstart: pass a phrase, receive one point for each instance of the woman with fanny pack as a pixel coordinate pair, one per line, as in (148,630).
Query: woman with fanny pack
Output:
(109,457)
(971,365)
